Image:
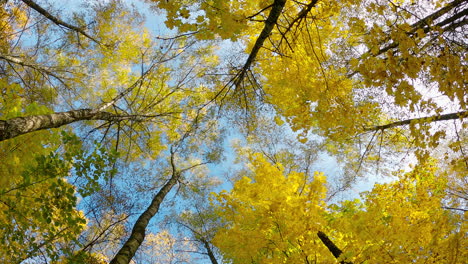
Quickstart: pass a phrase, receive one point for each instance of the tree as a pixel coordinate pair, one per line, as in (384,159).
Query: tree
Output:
(381,83)
(38,203)
(399,222)
(99,106)
(87,65)
(324,68)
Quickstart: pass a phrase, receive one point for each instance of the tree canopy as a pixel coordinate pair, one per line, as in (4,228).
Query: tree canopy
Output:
(193,131)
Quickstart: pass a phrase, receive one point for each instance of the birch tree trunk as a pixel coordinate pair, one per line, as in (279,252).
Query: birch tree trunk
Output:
(22,125)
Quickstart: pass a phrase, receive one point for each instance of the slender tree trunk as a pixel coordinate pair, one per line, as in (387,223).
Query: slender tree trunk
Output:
(331,246)
(209,252)
(22,125)
(137,236)
(270,23)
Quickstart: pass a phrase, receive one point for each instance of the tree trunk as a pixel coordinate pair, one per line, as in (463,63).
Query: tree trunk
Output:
(22,125)
(270,23)
(209,252)
(137,236)
(331,246)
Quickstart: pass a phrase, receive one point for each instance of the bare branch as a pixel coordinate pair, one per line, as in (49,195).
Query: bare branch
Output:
(425,23)
(40,68)
(57,20)
(299,17)
(453,208)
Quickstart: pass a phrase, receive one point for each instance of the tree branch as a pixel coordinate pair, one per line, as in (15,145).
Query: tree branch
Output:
(22,125)
(205,243)
(428,19)
(425,23)
(57,20)
(435,118)
(103,232)
(299,17)
(16,60)
(454,208)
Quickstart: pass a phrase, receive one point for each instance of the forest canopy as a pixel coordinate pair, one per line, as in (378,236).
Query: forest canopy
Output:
(209,131)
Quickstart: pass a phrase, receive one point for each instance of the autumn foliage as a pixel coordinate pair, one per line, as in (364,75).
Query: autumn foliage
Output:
(399,222)
(233,131)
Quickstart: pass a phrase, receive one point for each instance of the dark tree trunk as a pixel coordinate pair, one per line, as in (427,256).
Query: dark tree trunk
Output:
(209,252)
(137,236)
(331,246)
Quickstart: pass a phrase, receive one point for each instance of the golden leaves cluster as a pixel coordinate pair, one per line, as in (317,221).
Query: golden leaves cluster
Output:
(270,217)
